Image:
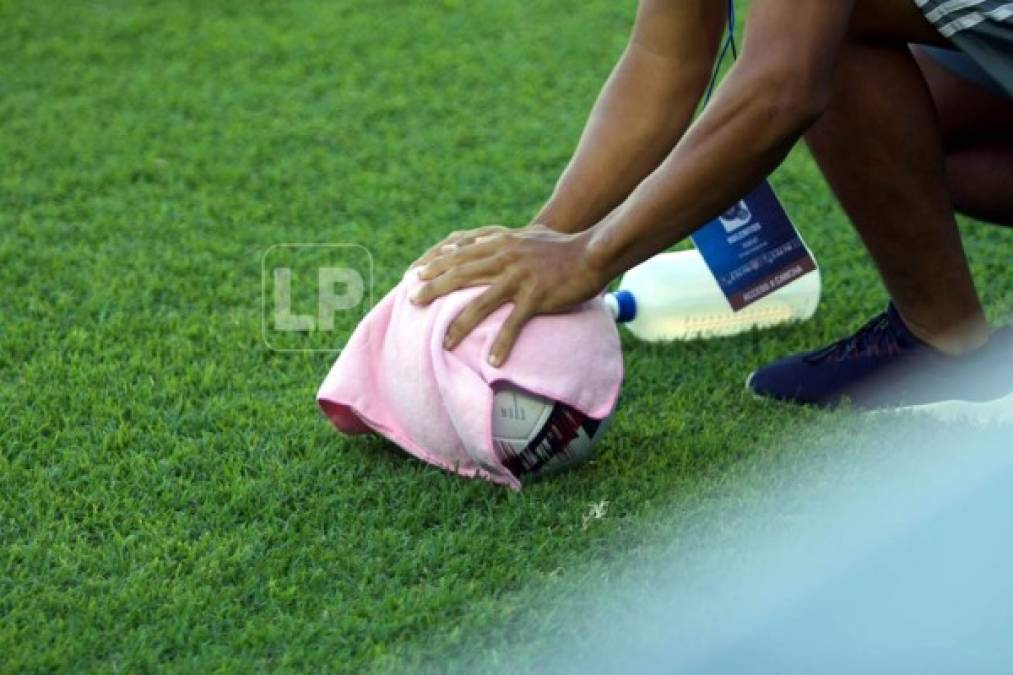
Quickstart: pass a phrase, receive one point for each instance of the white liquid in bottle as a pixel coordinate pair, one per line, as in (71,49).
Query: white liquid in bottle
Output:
(674,296)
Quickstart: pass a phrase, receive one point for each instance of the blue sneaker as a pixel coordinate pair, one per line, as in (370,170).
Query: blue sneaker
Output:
(884,365)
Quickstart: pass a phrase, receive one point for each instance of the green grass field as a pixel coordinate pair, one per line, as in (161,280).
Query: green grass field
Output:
(170,496)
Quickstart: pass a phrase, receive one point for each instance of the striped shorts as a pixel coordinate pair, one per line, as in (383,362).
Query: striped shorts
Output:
(981,29)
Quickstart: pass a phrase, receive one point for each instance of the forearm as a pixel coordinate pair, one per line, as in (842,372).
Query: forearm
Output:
(779,87)
(745,134)
(643,109)
(641,113)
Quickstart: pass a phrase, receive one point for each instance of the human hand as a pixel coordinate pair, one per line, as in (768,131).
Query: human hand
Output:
(538,270)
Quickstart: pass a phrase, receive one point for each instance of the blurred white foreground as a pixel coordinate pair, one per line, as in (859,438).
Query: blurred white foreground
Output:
(892,553)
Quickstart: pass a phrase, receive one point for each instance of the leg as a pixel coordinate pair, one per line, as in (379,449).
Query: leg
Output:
(880,147)
(977,127)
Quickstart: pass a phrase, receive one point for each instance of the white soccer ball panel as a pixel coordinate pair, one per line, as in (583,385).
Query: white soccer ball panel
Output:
(518,416)
(536,436)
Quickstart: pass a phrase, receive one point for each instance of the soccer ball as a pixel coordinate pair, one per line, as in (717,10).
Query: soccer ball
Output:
(535,436)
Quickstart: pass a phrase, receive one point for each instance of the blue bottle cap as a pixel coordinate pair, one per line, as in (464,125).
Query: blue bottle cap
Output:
(627,306)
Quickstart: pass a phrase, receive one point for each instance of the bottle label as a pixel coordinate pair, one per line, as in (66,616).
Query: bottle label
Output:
(753,249)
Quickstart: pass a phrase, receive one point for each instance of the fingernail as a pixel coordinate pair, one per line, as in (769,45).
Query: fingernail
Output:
(448,342)
(494,360)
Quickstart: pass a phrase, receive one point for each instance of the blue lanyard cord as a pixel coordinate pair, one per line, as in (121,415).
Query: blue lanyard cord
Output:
(729,45)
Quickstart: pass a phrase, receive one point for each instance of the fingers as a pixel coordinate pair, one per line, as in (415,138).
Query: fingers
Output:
(455,258)
(455,241)
(461,276)
(447,245)
(508,333)
(474,314)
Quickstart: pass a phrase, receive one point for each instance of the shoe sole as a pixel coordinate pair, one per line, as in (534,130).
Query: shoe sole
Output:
(998,412)
(989,413)
(752,392)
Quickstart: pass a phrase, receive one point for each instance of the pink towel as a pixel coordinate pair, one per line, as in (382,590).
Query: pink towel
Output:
(395,378)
